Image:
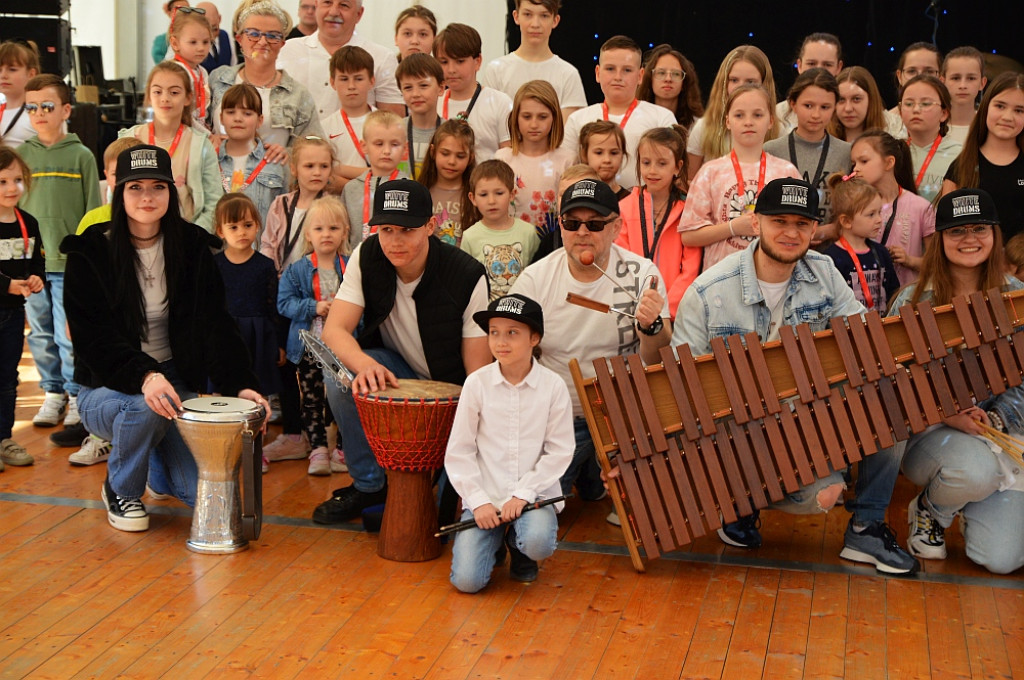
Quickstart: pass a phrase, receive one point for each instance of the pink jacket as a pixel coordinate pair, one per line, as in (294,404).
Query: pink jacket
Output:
(678,264)
(273,230)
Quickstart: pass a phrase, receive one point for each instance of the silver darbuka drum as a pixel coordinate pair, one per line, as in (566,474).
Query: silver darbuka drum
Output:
(215,428)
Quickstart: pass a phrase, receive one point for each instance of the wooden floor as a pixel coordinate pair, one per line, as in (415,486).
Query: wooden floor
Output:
(81,600)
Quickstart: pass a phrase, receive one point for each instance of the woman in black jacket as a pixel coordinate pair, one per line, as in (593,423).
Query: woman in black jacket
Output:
(145,306)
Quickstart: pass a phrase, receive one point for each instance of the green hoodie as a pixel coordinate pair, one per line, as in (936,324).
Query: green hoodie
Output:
(65,186)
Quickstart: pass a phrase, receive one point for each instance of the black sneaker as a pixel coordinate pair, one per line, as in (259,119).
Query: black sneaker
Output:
(125,514)
(521,568)
(876,544)
(346,504)
(743,533)
(70,436)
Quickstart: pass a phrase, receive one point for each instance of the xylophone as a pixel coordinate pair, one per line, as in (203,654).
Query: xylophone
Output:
(705,440)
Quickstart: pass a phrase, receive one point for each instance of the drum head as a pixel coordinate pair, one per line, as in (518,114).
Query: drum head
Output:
(220,409)
(424,390)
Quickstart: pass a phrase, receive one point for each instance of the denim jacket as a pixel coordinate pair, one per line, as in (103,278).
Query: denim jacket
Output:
(291,104)
(267,186)
(1010,404)
(726,300)
(296,301)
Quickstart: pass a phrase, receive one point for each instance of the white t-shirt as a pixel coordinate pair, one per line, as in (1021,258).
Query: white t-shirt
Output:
(945,154)
(20,131)
(786,116)
(489,119)
(346,149)
(574,332)
(510,72)
(958,133)
(644,117)
(309,62)
(695,140)
(400,331)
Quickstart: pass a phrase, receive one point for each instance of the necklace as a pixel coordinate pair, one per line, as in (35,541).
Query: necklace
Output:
(250,81)
(148,276)
(139,239)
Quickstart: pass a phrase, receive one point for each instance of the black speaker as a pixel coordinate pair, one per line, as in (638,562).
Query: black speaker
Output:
(50,8)
(51,35)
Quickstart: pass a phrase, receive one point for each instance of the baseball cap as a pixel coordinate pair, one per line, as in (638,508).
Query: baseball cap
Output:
(788,196)
(965,206)
(402,202)
(144,162)
(516,307)
(590,193)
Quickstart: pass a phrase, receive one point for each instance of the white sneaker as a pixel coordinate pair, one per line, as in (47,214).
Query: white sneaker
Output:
(94,450)
(319,463)
(51,411)
(72,417)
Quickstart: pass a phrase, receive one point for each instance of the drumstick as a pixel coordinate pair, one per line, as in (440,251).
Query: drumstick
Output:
(587,260)
(1012,446)
(589,303)
(470,523)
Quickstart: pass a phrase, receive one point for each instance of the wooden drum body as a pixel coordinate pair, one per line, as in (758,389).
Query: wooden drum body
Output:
(407,428)
(214,429)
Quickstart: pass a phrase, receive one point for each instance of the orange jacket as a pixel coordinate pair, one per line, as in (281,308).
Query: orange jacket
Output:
(678,264)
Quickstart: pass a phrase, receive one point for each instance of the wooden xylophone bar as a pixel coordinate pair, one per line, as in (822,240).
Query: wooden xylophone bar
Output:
(701,441)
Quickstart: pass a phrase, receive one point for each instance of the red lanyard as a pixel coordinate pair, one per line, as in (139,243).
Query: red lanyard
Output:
(24,233)
(625,116)
(174,144)
(927,160)
(352,135)
(869,301)
(197,83)
(252,177)
(366,197)
(463,115)
(318,292)
(741,188)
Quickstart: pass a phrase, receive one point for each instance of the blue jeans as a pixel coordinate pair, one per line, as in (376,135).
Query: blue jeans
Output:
(48,340)
(367,475)
(876,478)
(473,553)
(145,446)
(12,338)
(583,471)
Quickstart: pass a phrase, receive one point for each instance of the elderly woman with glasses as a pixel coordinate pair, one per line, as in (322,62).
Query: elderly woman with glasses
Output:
(288,109)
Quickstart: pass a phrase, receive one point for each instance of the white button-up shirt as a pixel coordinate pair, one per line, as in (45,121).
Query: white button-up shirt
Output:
(510,440)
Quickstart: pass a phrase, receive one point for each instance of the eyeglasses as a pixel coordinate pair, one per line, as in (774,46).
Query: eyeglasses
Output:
(924,106)
(978,230)
(273,37)
(665,74)
(913,71)
(47,107)
(591,225)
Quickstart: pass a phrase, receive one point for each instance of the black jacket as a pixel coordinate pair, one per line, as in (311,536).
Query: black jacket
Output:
(205,341)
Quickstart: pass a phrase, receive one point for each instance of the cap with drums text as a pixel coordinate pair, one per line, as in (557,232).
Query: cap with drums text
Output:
(965,206)
(788,196)
(590,193)
(516,307)
(144,162)
(402,203)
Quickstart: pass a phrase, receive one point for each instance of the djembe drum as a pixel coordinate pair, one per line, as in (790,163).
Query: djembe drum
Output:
(218,430)
(407,428)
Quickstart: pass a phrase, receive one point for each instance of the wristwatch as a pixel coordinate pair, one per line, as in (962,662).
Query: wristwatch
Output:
(653,329)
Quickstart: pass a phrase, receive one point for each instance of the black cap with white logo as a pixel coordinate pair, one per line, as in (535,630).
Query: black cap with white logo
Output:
(403,203)
(788,196)
(144,162)
(516,307)
(590,193)
(965,206)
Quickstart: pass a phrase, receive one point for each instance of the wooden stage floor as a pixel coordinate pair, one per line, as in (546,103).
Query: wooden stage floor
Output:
(82,600)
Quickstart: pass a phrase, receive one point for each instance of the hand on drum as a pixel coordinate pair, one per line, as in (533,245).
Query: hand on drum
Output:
(486,517)
(253,395)
(161,396)
(373,378)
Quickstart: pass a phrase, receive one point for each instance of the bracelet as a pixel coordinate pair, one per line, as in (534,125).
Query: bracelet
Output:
(152,374)
(996,420)
(731,230)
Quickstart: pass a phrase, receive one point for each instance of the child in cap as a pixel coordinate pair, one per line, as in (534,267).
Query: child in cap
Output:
(511,441)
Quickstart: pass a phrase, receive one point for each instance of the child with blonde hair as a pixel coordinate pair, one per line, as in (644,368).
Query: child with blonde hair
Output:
(19,63)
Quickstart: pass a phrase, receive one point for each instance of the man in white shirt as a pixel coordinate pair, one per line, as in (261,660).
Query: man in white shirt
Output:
(590,224)
(416,297)
(307,59)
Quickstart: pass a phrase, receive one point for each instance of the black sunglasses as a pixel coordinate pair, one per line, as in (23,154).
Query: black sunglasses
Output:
(591,225)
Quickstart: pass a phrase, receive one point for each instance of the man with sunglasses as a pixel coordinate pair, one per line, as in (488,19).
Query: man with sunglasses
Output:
(777,281)
(591,265)
(308,59)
